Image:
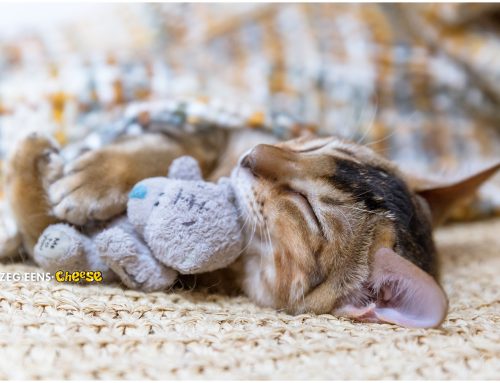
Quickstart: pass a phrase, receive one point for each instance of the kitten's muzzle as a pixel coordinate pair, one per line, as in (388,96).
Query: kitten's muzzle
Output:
(270,162)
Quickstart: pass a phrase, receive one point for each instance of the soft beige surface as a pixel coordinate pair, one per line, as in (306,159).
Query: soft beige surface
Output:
(50,330)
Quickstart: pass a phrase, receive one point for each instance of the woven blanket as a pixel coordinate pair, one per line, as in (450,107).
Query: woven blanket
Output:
(417,82)
(60,331)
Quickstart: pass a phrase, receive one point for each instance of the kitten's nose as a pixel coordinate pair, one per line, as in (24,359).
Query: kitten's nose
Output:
(270,162)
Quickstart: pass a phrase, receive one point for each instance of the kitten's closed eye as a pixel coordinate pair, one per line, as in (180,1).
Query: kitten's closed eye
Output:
(302,201)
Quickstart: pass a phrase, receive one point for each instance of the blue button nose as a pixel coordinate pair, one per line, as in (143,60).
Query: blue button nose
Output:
(139,192)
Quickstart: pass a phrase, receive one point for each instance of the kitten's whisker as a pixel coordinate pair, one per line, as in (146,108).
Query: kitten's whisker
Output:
(409,119)
(346,219)
(261,260)
(366,211)
(370,124)
(381,139)
(244,223)
(38,215)
(269,237)
(270,243)
(254,228)
(356,196)
(357,123)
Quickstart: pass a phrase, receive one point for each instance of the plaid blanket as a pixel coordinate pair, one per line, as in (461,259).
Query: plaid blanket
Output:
(419,83)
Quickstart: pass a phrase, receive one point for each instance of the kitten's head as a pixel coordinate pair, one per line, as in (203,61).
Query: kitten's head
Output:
(335,228)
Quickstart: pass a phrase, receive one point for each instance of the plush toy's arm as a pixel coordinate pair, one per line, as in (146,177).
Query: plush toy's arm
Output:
(185,168)
(123,251)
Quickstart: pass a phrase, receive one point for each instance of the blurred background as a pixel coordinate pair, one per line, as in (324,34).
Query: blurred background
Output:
(419,83)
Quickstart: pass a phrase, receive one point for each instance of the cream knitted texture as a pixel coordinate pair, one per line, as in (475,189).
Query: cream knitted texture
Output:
(59,331)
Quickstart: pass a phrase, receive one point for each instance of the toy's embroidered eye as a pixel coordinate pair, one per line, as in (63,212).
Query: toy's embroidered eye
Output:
(156,203)
(161,194)
(139,192)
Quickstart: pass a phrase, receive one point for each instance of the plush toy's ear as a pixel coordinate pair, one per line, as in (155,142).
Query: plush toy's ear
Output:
(405,294)
(443,196)
(185,168)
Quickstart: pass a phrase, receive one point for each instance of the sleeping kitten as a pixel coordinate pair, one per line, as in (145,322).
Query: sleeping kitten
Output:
(335,228)
(331,226)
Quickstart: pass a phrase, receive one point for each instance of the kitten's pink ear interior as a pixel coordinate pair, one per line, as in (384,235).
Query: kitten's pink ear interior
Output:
(406,295)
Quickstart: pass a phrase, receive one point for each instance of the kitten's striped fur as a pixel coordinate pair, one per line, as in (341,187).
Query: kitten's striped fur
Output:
(320,207)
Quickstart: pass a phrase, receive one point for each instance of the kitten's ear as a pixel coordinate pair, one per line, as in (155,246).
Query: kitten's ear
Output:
(443,196)
(406,295)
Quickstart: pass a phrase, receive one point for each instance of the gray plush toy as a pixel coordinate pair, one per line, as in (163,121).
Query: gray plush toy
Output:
(179,224)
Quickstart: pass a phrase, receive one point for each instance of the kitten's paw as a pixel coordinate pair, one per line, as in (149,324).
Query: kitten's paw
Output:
(50,166)
(32,165)
(36,155)
(92,188)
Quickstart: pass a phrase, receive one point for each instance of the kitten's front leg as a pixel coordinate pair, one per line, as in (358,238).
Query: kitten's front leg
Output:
(35,163)
(95,186)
